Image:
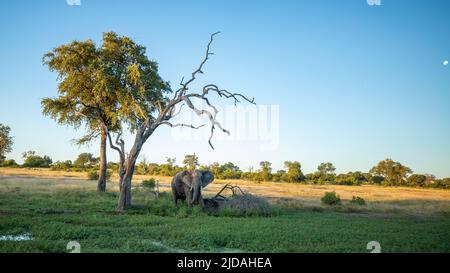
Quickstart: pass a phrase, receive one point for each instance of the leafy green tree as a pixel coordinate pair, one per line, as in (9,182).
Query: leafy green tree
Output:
(416,180)
(6,141)
(86,160)
(326,168)
(153,169)
(377,179)
(265,172)
(394,173)
(280,175)
(351,178)
(231,171)
(430,179)
(64,165)
(315,178)
(87,92)
(324,175)
(224,171)
(216,169)
(294,171)
(191,162)
(9,163)
(441,183)
(32,160)
(113,166)
(168,169)
(143,166)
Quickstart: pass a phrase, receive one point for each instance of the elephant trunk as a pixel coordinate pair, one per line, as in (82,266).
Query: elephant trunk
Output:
(197,193)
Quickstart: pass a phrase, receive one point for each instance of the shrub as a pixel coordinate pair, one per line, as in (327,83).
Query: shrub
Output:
(93,175)
(108,175)
(331,198)
(32,160)
(377,179)
(66,165)
(8,163)
(149,183)
(356,200)
(416,180)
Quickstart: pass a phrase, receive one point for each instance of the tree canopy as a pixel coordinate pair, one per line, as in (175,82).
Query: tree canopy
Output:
(85,160)
(6,141)
(191,162)
(394,173)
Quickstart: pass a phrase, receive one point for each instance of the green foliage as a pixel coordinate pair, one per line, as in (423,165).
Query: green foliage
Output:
(351,179)
(356,200)
(265,172)
(8,163)
(86,160)
(62,166)
(331,198)
(149,183)
(294,172)
(441,183)
(191,162)
(416,180)
(83,96)
(394,173)
(94,174)
(113,166)
(225,171)
(321,178)
(6,141)
(32,160)
(279,176)
(326,168)
(377,179)
(143,166)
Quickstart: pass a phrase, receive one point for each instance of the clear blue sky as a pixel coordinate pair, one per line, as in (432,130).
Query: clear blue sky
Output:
(355,83)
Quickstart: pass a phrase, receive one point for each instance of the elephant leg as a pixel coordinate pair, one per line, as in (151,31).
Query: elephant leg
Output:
(201,202)
(175,197)
(189,198)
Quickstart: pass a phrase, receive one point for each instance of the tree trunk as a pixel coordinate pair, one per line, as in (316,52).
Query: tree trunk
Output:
(101,186)
(124,202)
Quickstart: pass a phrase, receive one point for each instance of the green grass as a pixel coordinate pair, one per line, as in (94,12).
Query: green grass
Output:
(55,217)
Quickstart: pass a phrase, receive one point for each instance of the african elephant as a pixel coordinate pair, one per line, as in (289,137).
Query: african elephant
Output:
(187,185)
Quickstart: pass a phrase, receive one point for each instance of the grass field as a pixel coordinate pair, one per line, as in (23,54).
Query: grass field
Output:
(55,208)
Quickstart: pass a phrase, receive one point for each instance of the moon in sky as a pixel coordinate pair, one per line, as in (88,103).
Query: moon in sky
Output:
(445,63)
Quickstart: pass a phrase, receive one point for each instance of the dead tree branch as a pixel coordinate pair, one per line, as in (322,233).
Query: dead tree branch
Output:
(182,125)
(182,95)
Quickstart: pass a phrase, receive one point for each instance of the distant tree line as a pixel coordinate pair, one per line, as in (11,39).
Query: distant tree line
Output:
(387,172)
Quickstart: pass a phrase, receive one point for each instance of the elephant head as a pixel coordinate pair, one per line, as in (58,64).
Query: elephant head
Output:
(200,179)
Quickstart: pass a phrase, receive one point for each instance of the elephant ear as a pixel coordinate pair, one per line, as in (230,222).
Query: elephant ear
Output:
(207,178)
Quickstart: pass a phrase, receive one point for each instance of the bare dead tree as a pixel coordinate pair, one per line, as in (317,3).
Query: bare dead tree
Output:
(165,114)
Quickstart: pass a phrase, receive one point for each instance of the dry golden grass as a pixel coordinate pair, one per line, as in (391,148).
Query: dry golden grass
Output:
(378,198)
